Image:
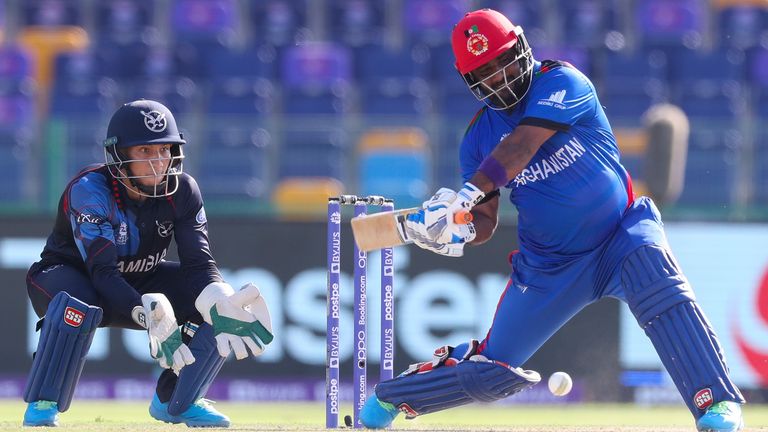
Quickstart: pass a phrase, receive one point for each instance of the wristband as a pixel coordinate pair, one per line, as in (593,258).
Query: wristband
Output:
(494,171)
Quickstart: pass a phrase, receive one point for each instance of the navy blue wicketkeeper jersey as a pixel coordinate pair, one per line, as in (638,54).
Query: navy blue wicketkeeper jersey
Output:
(118,241)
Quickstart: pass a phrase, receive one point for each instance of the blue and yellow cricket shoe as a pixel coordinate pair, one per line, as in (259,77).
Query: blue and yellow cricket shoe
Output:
(200,414)
(721,417)
(377,414)
(42,413)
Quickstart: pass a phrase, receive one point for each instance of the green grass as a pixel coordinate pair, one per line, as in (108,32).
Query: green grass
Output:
(133,416)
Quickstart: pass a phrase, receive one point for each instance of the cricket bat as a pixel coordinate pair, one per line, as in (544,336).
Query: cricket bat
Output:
(387,229)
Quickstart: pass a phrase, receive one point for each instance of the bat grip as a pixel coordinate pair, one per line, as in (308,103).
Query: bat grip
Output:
(462,217)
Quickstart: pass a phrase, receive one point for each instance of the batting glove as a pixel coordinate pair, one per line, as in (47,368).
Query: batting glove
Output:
(165,343)
(239,319)
(463,233)
(466,198)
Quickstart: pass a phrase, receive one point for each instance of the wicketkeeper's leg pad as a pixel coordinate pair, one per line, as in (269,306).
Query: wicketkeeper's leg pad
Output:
(663,303)
(65,337)
(448,387)
(195,379)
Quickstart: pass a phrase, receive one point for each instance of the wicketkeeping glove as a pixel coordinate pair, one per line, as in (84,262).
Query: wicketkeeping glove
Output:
(239,319)
(165,343)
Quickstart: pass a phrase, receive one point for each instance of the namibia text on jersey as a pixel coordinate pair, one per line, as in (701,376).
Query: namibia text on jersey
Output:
(143,264)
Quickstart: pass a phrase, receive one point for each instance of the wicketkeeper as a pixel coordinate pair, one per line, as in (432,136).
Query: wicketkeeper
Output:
(103,266)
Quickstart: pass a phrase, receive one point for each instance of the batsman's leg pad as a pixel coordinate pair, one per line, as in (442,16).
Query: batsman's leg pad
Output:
(663,303)
(447,387)
(65,337)
(195,379)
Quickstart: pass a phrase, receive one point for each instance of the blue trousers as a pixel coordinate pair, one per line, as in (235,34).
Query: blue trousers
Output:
(43,284)
(540,300)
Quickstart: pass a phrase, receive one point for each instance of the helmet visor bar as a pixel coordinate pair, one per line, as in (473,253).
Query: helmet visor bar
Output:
(169,184)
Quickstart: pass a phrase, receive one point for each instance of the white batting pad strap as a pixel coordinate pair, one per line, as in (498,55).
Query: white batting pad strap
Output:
(212,293)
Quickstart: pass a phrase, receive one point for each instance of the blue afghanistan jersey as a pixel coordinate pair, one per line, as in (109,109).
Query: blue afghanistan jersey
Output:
(573,192)
(118,241)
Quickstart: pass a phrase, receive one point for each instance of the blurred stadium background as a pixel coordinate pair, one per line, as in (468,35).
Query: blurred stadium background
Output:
(286,102)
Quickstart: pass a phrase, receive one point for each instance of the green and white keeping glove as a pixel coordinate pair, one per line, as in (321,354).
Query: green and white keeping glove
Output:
(165,343)
(239,319)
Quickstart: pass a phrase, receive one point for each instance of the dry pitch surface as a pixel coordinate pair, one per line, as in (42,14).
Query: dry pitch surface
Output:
(133,416)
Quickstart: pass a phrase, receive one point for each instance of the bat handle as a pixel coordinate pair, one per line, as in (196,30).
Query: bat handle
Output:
(462,217)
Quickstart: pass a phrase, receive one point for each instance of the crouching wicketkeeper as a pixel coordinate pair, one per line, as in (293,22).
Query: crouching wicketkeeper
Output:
(103,266)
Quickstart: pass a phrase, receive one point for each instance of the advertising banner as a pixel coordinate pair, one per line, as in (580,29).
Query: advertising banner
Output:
(437,301)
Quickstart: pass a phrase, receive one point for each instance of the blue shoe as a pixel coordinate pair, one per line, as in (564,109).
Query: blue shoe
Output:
(722,417)
(200,414)
(42,413)
(377,414)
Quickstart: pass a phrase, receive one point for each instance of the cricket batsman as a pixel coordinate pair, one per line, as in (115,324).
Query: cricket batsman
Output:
(544,139)
(104,266)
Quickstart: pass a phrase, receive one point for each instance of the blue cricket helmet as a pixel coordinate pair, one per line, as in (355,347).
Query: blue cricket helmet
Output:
(143,122)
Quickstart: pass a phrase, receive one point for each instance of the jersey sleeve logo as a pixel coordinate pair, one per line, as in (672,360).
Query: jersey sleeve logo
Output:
(122,234)
(200,218)
(88,218)
(554,100)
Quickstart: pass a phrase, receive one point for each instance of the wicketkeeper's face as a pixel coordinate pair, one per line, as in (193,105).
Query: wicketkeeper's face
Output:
(149,163)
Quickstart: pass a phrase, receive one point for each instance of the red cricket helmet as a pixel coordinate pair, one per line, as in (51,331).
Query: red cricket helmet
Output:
(486,35)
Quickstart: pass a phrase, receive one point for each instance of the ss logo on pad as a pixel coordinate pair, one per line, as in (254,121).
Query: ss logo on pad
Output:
(73,317)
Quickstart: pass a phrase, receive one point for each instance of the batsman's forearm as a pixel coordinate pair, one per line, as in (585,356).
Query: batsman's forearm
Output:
(513,156)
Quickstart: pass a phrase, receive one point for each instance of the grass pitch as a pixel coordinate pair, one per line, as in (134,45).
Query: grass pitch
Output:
(133,416)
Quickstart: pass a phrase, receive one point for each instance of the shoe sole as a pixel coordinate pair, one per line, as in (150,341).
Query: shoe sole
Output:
(53,424)
(202,426)
(741,427)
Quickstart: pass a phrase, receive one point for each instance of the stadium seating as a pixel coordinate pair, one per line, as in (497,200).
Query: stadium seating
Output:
(51,13)
(667,23)
(431,21)
(81,88)
(237,160)
(452,97)
(711,86)
(203,20)
(356,22)
(18,132)
(314,150)
(395,163)
(241,97)
(630,82)
(123,22)
(713,153)
(304,198)
(585,23)
(760,166)
(742,26)
(319,75)
(279,22)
